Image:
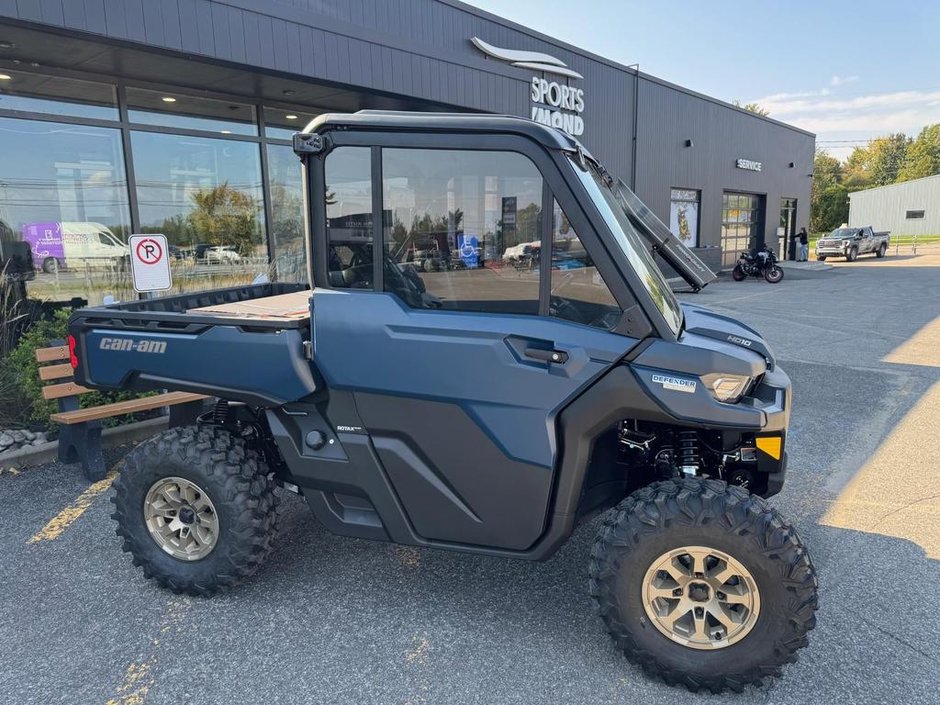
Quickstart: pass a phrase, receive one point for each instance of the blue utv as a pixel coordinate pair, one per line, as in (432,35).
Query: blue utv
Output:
(487,408)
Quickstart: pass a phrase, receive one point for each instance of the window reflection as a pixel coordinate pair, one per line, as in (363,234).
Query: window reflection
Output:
(349,217)
(169,109)
(54,95)
(287,214)
(205,195)
(63,191)
(579,294)
(463,229)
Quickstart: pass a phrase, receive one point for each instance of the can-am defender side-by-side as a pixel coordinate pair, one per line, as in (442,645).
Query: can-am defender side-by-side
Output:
(488,404)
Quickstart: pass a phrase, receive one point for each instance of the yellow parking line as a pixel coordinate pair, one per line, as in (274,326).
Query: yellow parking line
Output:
(138,677)
(61,521)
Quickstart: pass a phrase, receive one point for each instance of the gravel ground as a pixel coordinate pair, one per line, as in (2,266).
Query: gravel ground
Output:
(337,620)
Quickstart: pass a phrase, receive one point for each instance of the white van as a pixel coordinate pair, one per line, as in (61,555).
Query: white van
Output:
(71,244)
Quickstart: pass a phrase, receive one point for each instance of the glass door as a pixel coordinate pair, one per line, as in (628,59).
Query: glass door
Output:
(787,229)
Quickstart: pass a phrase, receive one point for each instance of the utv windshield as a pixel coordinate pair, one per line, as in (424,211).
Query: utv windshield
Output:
(613,207)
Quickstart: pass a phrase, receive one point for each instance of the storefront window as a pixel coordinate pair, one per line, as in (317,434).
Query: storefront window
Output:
(53,95)
(683,215)
(180,111)
(287,214)
(63,190)
(282,123)
(205,195)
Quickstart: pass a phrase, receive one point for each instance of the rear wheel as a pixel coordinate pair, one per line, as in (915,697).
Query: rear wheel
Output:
(774,274)
(852,255)
(703,584)
(738,274)
(196,509)
(882,249)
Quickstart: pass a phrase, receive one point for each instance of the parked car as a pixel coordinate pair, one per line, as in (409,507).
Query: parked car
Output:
(62,245)
(852,242)
(225,254)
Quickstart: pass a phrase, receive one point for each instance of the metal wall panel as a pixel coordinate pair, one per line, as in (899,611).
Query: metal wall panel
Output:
(720,135)
(885,208)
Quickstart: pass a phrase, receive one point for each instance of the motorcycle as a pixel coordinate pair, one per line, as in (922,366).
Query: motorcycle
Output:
(762,263)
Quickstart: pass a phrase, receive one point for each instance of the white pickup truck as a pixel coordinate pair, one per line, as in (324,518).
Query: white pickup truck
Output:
(852,242)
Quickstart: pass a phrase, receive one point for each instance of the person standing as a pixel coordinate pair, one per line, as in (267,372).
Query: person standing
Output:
(804,246)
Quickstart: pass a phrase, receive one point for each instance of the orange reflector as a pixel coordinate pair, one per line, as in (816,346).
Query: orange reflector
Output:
(771,445)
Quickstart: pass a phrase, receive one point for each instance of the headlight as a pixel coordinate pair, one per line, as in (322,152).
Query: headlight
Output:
(727,388)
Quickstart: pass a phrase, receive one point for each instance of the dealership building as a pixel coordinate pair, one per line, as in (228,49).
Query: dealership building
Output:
(126,116)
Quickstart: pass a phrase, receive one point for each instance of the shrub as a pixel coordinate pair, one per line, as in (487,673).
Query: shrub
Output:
(23,402)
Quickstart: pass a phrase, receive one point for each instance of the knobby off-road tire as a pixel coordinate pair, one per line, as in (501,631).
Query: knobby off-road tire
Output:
(666,516)
(240,496)
(738,274)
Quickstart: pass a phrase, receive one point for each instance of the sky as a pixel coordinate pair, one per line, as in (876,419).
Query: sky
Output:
(847,71)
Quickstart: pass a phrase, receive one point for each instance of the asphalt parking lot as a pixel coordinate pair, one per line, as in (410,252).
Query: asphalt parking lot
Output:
(337,620)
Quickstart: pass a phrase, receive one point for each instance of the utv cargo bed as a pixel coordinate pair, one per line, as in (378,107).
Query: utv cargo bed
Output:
(188,343)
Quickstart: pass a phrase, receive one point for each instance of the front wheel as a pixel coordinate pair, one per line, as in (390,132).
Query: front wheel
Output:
(852,255)
(774,274)
(738,274)
(196,509)
(703,584)
(821,258)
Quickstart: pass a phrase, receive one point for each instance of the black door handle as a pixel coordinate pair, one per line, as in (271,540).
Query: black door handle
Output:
(543,355)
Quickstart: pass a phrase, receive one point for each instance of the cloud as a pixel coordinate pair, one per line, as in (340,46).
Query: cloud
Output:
(790,106)
(841,80)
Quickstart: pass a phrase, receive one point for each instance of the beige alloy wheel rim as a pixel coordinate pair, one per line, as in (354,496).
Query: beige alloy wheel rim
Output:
(701,597)
(181,518)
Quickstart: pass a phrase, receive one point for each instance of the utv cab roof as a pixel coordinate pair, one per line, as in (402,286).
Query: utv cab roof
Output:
(401,121)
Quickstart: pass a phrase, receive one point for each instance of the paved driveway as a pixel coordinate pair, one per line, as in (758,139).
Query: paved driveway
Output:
(336,620)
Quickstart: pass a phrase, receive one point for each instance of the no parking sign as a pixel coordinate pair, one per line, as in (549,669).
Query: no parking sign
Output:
(150,263)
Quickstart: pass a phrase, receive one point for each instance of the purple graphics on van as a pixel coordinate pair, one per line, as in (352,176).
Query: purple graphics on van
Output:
(45,240)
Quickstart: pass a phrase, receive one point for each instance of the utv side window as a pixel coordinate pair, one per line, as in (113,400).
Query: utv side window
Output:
(462,229)
(579,294)
(349,217)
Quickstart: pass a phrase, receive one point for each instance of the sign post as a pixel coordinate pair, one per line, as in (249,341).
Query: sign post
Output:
(150,263)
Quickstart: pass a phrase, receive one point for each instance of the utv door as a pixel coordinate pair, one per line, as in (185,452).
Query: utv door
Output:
(460,364)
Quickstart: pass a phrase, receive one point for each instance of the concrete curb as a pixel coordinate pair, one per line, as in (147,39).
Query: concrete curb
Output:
(808,266)
(110,437)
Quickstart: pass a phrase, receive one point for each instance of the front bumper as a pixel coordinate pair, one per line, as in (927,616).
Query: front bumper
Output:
(774,395)
(832,250)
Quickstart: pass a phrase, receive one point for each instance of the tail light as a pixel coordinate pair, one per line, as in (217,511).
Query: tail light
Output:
(73,359)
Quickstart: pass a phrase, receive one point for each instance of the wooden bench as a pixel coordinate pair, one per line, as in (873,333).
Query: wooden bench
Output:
(80,432)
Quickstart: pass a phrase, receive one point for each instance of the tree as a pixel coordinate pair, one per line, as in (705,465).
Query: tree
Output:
(755,108)
(829,207)
(878,163)
(226,216)
(922,157)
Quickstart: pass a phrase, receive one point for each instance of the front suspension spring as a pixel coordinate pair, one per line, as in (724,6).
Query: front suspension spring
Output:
(689,458)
